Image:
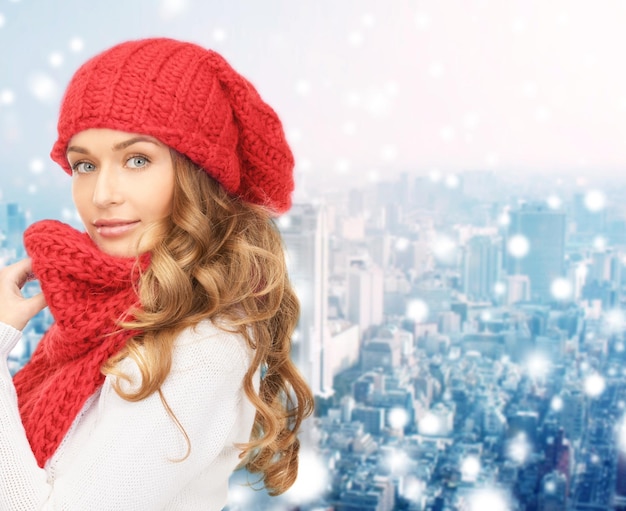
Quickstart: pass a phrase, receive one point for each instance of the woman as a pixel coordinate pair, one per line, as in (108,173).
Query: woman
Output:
(168,363)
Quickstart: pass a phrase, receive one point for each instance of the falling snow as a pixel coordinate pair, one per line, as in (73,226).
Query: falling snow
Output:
(55,59)
(219,35)
(595,200)
(594,385)
(518,246)
(43,87)
(417,310)
(169,9)
(561,289)
(7,97)
(76,44)
(361,108)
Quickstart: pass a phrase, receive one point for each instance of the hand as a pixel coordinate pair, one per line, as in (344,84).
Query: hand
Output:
(15,310)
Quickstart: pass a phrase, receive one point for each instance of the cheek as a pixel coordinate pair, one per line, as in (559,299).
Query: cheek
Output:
(161,198)
(81,197)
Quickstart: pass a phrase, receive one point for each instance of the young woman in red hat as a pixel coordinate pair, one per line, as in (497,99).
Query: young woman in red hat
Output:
(168,364)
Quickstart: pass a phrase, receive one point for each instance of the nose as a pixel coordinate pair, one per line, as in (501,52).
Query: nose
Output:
(107,190)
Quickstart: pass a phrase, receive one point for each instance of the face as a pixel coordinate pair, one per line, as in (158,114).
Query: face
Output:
(121,184)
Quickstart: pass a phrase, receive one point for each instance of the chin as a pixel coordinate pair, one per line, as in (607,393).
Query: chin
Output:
(117,250)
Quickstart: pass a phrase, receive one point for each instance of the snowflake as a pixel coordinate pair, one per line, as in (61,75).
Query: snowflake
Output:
(594,385)
(595,201)
(518,246)
(417,310)
(561,289)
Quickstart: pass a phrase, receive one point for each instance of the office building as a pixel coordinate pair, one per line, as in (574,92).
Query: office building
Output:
(482,260)
(305,234)
(365,294)
(12,227)
(543,232)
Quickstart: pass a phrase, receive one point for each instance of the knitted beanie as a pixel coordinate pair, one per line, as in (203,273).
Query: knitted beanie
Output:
(193,101)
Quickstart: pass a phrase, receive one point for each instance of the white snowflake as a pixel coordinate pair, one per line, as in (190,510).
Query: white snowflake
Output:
(170,9)
(349,128)
(595,200)
(422,20)
(398,418)
(77,44)
(36,166)
(561,289)
(388,153)
(303,87)
(368,20)
(518,245)
(55,59)
(219,34)
(43,87)
(436,69)
(355,39)
(7,97)
(554,202)
(594,385)
(418,311)
(452,181)
(312,478)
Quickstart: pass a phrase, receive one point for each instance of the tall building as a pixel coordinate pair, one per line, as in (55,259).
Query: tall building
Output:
(543,231)
(482,260)
(620,467)
(553,492)
(588,222)
(12,227)
(305,234)
(517,289)
(342,350)
(365,294)
(573,414)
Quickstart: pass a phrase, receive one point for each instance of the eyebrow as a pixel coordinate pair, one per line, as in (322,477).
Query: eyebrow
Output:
(116,147)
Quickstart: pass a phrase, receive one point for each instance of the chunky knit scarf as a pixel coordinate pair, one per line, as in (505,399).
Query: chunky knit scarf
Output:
(88,292)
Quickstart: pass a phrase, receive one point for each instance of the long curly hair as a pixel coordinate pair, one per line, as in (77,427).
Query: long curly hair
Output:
(220,257)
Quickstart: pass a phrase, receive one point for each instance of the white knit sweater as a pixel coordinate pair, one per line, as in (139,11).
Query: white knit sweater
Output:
(120,455)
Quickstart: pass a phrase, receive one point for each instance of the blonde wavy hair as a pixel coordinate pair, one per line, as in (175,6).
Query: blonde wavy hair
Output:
(220,257)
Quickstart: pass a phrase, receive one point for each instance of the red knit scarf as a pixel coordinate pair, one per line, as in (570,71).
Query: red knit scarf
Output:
(87,292)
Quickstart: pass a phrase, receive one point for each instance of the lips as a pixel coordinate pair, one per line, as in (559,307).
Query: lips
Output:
(114,228)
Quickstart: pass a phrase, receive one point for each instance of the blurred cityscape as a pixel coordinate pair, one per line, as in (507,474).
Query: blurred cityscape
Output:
(464,337)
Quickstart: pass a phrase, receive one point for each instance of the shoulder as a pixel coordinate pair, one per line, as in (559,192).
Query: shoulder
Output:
(210,344)
(201,353)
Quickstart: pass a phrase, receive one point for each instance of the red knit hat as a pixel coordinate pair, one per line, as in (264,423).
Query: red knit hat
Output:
(190,99)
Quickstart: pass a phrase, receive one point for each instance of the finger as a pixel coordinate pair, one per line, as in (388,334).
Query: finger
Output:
(35,304)
(19,272)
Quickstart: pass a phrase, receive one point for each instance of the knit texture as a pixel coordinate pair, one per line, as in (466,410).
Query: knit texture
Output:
(87,292)
(190,99)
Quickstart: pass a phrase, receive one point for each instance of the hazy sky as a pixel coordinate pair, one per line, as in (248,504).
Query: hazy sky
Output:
(364,87)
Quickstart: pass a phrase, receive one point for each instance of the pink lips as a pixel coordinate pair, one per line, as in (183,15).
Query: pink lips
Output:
(114,228)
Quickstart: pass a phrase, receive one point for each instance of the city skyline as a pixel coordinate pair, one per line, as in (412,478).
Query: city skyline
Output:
(458,236)
(452,383)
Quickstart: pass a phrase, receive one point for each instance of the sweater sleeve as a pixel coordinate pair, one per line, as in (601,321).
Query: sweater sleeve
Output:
(23,485)
(133,454)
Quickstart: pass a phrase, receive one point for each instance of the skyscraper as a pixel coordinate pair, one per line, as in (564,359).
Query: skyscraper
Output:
(12,226)
(542,230)
(619,498)
(305,233)
(365,294)
(482,260)
(588,222)
(553,492)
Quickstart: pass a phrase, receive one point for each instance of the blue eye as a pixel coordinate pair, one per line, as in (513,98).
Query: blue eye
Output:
(83,167)
(137,162)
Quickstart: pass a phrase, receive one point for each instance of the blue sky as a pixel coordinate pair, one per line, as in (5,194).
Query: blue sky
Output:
(365,88)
